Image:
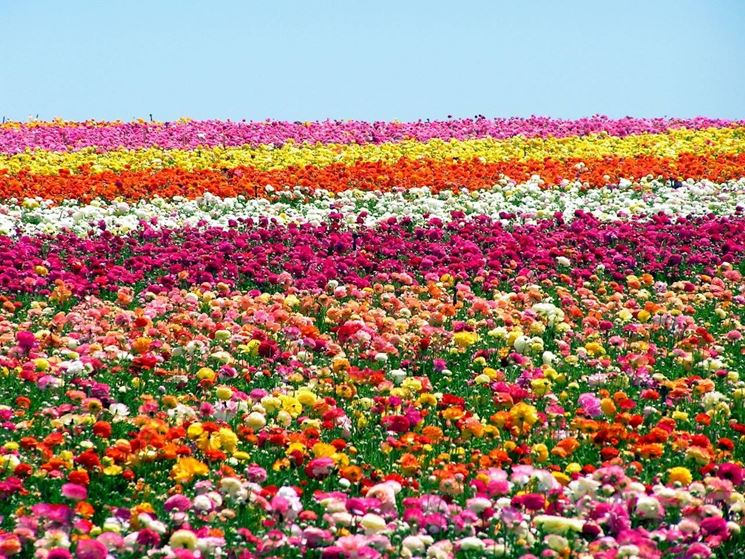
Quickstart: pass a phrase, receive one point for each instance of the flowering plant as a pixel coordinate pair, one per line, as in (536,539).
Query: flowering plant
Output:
(473,338)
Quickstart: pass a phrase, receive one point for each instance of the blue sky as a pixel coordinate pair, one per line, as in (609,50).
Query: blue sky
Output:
(382,59)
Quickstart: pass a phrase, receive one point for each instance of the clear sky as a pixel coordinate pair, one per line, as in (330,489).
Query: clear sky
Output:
(378,59)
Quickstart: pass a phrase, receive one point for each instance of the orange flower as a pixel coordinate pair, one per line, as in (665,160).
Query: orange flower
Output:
(186,468)
(649,451)
(433,433)
(409,464)
(351,473)
(85,509)
(453,413)
(565,447)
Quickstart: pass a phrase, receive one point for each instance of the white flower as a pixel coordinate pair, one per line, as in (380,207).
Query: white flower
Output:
(649,507)
(202,503)
(471,544)
(558,524)
(373,523)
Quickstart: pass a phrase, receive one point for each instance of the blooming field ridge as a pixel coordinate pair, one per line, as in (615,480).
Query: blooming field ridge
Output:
(441,339)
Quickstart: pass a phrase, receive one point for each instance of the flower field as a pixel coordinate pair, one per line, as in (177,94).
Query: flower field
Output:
(338,340)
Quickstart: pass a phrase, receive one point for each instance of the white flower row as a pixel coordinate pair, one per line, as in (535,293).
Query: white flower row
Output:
(526,202)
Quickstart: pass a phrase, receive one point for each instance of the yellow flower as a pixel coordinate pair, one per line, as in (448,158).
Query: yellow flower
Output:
(698,454)
(291,301)
(323,449)
(41,364)
(205,373)
(194,431)
(625,315)
(464,339)
(562,478)
(540,386)
(412,384)
(427,399)
(186,468)
(112,470)
(608,407)
(595,349)
(679,474)
(339,364)
(252,347)
(291,405)
(271,403)
(228,439)
(306,397)
(524,415)
(487,150)
(541,452)
(491,373)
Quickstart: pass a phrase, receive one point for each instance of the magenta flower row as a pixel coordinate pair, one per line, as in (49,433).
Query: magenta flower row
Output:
(262,255)
(193,134)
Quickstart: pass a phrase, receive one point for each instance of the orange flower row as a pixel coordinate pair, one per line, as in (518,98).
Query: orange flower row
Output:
(406,173)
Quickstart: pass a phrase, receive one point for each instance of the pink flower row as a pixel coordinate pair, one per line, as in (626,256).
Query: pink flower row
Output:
(193,134)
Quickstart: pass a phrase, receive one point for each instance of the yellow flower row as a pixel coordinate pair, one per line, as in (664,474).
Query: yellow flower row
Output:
(488,150)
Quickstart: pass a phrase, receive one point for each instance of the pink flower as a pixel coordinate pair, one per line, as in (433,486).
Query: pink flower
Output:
(531,501)
(319,468)
(698,551)
(732,472)
(715,526)
(734,335)
(591,404)
(148,538)
(74,491)
(91,549)
(256,474)
(177,502)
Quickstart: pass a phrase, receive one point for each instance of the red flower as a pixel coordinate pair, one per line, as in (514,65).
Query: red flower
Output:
(102,429)
(88,459)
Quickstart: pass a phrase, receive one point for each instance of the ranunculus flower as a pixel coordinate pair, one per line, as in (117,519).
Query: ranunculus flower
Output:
(90,549)
(26,340)
(74,491)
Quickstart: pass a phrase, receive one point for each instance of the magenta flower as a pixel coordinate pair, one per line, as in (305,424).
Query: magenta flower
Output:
(91,549)
(26,340)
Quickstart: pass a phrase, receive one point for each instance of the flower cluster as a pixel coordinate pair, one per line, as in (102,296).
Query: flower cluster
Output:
(519,367)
